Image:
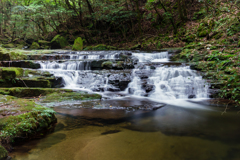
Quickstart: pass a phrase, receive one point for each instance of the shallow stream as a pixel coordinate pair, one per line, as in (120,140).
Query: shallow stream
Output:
(158,111)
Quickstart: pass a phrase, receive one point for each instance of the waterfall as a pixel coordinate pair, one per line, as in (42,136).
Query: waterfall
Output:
(172,83)
(69,65)
(154,80)
(152,57)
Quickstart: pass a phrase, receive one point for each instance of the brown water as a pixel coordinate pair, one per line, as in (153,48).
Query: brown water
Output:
(169,133)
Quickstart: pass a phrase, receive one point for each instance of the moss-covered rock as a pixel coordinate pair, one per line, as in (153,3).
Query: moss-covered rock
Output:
(107,64)
(17,71)
(4,56)
(78,44)
(17,56)
(35,45)
(32,121)
(69,96)
(58,42)
(7,74)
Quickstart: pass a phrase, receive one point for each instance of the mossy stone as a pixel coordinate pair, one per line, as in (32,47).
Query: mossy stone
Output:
(78,44)
(4,56)
(107,64)
(6,74)
(35,45)
(58,42)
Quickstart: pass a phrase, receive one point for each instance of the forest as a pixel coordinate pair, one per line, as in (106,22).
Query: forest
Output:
(109,38)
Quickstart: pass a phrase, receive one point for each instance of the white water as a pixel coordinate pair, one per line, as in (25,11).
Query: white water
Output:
(177,83)
(79,57)
(169,83)
(69,65)
(152,57)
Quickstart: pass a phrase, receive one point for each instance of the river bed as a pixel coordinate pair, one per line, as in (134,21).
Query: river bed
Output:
(158,110)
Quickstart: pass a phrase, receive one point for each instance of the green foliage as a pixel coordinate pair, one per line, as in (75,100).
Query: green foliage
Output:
(35,45)
(233,29)
(3,152)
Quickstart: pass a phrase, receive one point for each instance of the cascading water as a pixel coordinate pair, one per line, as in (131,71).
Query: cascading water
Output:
(172,83)
(160,82)
(69,65)
(152,57)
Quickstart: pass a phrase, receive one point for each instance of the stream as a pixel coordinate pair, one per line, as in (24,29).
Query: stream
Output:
(158,110)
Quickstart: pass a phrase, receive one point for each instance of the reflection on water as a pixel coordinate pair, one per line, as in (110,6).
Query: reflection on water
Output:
(169,133)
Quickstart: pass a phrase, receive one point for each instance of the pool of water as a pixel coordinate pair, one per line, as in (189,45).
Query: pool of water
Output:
(183,130)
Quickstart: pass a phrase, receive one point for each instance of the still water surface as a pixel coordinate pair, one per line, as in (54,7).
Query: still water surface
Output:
(188,131)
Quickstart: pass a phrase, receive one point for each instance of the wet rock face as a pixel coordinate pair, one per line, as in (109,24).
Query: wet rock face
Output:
(20,64)
(148,87)
(191,96)
(120,81)
(143,74)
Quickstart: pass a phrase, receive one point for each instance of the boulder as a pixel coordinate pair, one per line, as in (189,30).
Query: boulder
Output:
(58,42)
(78,44)
(4,56)
(35,45)
(8,74)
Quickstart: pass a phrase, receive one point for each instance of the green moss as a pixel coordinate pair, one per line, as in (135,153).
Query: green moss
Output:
(120,64)
(107,64)
(66,96)
(35,45)
(31,92)
(4,56)
(100,47)
(78,44)
(28,124)
(59,42)
(88,48)
(18,71)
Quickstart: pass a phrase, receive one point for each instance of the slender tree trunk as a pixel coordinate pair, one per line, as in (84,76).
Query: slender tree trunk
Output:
(171,19)
(89,7)
(139,17)
(180,11)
